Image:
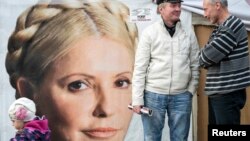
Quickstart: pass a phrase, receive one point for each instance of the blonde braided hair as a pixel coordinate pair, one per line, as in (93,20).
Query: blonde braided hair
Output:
(45,31)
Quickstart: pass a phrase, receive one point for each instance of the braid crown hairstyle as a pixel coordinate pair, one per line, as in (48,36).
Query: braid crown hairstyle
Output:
(45,31)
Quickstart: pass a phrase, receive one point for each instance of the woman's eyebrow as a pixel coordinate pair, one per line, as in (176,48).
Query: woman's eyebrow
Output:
(81,74)
(122,73)
(63,79)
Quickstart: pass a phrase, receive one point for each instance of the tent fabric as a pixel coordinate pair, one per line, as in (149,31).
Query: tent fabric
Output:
(239,8)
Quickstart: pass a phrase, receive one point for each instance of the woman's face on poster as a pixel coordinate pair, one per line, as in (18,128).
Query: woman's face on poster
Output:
(86,92)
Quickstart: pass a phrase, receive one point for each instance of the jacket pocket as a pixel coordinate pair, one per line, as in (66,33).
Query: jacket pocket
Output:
(184,45)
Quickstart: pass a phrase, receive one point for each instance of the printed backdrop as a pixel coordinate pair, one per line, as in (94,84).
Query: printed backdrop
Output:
(143,13)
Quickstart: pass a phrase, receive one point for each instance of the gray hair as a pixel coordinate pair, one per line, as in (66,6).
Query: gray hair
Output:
(224,3)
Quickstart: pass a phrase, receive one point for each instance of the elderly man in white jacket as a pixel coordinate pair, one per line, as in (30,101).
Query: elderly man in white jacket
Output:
(166,74)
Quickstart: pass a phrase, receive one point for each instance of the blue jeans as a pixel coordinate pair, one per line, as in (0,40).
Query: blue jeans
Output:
(225,108)
(178,108)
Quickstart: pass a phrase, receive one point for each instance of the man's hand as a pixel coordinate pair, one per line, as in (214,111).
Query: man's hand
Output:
(137,109)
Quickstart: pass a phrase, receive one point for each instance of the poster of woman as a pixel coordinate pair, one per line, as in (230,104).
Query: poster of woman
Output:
(74,59)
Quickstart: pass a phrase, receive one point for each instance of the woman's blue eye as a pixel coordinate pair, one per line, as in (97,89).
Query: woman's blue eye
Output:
(122,83)
(77,85)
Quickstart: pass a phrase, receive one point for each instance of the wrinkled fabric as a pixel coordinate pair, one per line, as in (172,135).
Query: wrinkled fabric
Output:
(35,130)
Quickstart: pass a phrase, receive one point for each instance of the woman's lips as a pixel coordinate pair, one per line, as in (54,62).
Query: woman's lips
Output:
(101,132)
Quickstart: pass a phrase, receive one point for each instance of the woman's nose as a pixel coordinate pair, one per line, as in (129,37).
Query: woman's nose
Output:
(105,103)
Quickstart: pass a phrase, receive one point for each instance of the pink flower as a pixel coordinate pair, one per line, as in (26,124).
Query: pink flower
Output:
(21,113)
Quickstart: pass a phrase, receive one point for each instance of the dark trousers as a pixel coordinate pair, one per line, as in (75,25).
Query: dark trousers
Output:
(225,108)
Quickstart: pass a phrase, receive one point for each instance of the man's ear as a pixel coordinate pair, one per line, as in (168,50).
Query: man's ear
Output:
(218,5)
(25,88)
(158,10)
